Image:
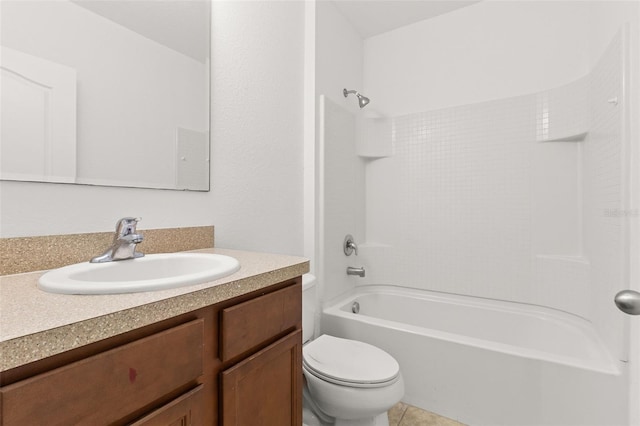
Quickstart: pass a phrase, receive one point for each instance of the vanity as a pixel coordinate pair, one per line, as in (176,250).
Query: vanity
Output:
(217,353)
(227,352)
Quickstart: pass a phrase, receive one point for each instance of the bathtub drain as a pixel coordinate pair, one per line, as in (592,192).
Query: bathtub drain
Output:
(355,308)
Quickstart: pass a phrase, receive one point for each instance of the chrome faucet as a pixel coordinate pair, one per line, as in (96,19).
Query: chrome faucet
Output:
(349,245)
(124,242)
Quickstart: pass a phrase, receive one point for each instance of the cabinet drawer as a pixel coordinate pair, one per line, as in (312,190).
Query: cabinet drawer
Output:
(250,324)
(186,410)
(106,387)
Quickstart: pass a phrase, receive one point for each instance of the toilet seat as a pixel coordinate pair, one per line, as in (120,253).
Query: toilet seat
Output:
(349,362)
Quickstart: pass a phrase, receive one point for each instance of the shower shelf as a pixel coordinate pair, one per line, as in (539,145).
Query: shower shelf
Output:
(373,156)
(575,137)
(375,139)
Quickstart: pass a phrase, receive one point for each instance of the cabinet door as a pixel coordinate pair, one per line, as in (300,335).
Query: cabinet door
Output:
(186,410)
(266,388)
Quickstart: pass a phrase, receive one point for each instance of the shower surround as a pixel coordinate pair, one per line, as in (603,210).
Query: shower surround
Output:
(510,199)
(517,199)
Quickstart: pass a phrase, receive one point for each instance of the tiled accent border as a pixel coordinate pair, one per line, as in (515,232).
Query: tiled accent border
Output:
(27,254)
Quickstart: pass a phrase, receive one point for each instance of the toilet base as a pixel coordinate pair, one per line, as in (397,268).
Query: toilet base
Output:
(380,420)
(309,418)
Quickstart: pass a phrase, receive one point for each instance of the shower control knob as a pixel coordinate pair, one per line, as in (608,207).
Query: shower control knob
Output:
(628,301)
(349,245)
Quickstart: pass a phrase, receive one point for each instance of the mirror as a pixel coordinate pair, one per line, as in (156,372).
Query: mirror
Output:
(105,92)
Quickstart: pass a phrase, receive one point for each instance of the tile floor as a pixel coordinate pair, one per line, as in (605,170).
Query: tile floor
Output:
(403,414)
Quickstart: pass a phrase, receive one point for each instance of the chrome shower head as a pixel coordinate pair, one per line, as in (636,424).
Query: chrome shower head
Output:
(362,100)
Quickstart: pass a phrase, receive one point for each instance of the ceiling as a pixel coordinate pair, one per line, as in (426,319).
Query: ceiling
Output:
(182,25)
(373,17)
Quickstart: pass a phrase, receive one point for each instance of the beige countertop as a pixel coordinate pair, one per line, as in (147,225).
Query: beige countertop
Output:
(35,324)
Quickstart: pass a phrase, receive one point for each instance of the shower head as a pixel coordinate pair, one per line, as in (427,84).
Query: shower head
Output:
(362,100)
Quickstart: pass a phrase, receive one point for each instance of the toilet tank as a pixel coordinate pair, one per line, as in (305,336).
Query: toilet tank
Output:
(308,306)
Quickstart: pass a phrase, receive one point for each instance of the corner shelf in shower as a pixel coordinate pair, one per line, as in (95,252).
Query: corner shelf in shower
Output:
(374,138)
(373,156)
(573,137)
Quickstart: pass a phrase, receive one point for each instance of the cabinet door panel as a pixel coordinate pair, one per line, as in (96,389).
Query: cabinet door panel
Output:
(266,388)
(106,387)
(250,324)
(186,410)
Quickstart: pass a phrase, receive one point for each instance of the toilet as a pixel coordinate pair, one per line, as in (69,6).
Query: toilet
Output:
(347,382)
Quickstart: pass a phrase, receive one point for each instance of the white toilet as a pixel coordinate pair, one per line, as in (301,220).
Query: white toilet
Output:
(347,382)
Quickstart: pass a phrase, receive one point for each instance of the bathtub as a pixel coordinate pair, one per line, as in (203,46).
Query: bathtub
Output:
(487,362)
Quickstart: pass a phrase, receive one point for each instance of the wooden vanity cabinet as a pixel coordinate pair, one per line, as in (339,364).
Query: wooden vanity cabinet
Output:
(237,362)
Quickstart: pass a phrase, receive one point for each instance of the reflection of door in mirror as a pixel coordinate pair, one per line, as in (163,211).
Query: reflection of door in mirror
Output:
(131,75)
(38,120)
(192,168)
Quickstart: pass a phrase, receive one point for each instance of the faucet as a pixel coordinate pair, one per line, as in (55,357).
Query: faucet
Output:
(355,271)
(349,245)
(124,242)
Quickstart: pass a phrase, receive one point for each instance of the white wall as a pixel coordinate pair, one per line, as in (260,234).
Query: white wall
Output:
(489,50)
(339,56)
(481,197)
(605,20)
(342,186)
(340,190)
(257,124)
(256,196)
(473,63)
(604,197)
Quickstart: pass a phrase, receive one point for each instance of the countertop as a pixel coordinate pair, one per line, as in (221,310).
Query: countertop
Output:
(35,324)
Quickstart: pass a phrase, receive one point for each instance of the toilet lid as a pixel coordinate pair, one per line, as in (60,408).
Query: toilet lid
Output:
(347,361)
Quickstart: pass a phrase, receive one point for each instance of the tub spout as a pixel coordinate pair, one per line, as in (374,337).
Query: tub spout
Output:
(355,271)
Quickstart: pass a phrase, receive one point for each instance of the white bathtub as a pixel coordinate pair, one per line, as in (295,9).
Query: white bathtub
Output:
(487,362)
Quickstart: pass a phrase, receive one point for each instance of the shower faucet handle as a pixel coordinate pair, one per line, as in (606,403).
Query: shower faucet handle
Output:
(349,245)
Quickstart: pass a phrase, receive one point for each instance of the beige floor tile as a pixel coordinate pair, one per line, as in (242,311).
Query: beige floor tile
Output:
(395,413)
(416,417)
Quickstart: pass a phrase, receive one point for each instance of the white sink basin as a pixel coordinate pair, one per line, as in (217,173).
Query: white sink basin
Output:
(148,273)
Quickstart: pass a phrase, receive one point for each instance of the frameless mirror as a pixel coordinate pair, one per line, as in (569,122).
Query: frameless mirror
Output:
(105,92)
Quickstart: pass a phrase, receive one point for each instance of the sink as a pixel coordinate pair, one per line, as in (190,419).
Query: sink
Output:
(149,273)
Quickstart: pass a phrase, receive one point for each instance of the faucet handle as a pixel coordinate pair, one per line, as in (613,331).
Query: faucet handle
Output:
(349,245)
(126,226)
